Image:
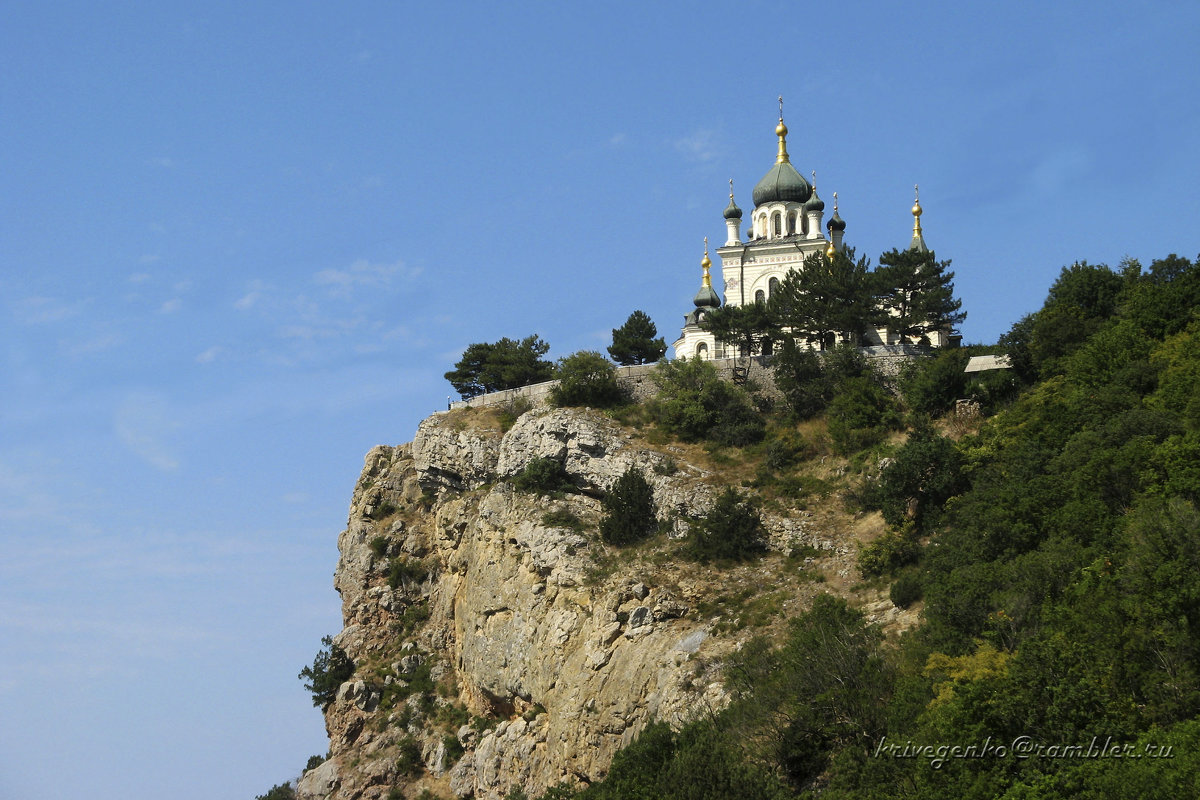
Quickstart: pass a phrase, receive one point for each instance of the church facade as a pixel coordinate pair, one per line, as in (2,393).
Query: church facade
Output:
(785,228)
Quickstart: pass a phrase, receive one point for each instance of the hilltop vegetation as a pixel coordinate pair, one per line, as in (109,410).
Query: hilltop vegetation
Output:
(1057,550)
(1051,546)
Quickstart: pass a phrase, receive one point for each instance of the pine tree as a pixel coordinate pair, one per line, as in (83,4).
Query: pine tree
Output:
(637,341)
(506,364)
(747,327)
(827,296)
(629,512)
(917,292)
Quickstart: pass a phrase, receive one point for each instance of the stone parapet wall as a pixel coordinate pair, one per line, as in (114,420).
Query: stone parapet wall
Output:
(888,359)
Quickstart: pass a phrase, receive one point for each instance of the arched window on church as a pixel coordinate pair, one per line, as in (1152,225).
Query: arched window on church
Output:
(772,286)
(802,222)
(760,297)
(776,224)
(702,350)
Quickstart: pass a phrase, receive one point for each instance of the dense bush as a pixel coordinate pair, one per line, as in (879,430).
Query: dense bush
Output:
(543,476)
(931,385)
(629,511)
(906,589)
(732,531)
(282,791)
(925,473)
(330,669)
(861,414)
(586,378)
(695,404)
(403,570)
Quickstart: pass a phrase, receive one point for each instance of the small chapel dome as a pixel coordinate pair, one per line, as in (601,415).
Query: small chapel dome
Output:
(706,297)
(782,183)
(836,223)
(814,203)
(732,211)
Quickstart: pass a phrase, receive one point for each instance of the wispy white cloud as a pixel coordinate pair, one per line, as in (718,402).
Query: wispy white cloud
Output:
(162,162)
(47,310)
(143,423)
(254,293)
(700,145)
(96,344)
(363,273)
(170,306)
(208,356)
(617,139)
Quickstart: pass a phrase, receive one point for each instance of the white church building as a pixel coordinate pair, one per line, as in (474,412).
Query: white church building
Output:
(785,228)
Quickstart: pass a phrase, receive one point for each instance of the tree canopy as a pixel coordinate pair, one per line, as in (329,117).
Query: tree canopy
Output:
(829,296)
(586,378)
(506,364)
(917,293)
(637,341)
(746,327)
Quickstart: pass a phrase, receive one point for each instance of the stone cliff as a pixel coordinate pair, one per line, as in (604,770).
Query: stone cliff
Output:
(498,643)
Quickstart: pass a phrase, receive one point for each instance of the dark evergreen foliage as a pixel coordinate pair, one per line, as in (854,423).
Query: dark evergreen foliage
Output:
(637,341)
(696,405)
(282,791)
(543,476)
(827,297)
(732,531)
(586,378)
(749,328)
(506,364)
(629,510)
(329,670)
(917,293)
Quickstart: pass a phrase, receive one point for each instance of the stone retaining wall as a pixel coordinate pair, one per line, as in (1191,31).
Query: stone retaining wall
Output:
(888,359)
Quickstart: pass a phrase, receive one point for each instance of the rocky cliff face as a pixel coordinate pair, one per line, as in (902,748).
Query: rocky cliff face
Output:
(497,642)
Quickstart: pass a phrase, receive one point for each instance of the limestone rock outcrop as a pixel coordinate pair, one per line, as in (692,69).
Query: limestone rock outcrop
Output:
(497,643)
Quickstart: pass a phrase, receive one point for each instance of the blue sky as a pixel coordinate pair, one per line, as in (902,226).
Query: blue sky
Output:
(240,244)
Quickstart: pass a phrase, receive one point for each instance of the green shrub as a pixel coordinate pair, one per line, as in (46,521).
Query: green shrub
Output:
(511,411)
(282,791)
(888,553)
(586,378)
(932,385)
(379,546)
(330,669)
(402,571)
(629,511)
(732,531)
(384,510)
(314,762)
(666,467)
(694,404)
(925,473)
(906,589)
(563,518)
(860,415)
(408,760)
(454,749)
(543,476)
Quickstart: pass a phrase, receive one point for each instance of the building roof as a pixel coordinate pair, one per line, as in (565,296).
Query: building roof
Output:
(987,363)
